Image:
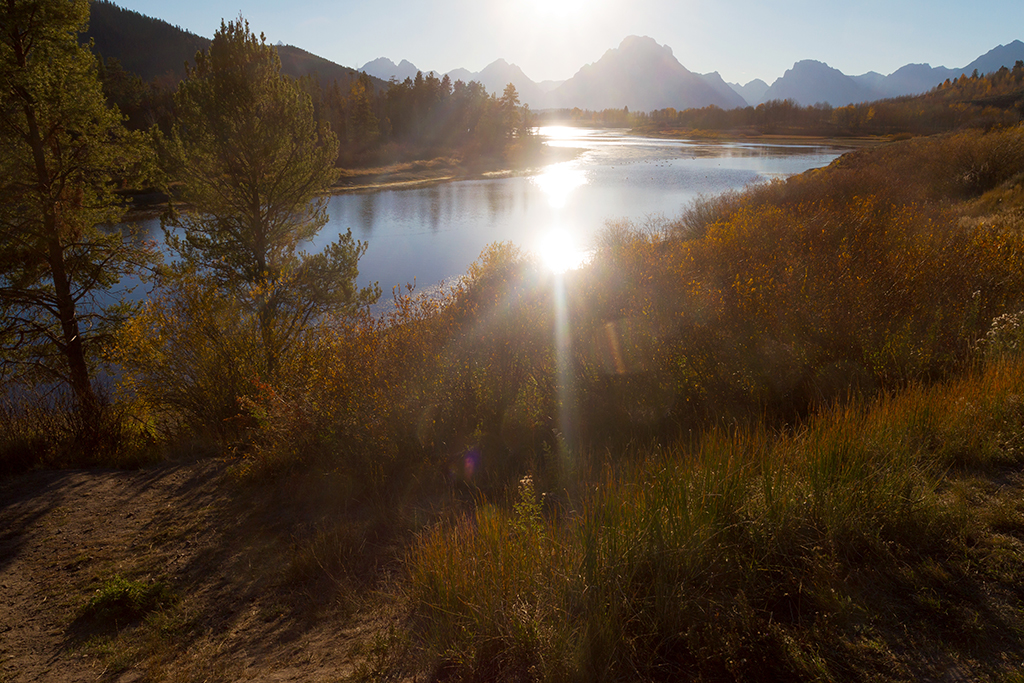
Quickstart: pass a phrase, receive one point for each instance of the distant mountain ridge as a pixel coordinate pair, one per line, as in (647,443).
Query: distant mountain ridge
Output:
(810,82)
(642,75)
(639,74)
(384,69)
(654,79)
(494,77)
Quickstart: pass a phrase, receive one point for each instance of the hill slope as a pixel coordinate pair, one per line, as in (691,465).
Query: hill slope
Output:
(155,50)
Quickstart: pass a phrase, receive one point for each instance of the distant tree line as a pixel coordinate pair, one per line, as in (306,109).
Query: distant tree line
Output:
(416,118)
(422,117)
(606,118)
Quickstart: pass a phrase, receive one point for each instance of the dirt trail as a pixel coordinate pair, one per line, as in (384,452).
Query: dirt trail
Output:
(62,534)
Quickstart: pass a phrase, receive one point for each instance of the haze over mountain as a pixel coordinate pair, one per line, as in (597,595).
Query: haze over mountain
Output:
(384,69)
(753,92)
(494,77)
(642,75)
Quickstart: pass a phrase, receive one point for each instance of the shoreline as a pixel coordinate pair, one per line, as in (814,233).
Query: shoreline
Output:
(400,176)
(780,139)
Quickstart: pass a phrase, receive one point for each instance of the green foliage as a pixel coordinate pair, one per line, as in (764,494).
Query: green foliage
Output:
(64,153)
(120,600)
(252,160)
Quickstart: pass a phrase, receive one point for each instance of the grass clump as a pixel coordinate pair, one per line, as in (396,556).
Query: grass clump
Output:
(119,600)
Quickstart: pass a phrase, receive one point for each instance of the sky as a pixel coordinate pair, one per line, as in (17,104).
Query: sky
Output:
(552,39)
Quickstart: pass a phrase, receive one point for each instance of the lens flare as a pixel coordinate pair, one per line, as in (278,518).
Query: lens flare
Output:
(559,252)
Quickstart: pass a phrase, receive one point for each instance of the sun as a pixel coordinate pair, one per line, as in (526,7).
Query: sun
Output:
(558,182)
(558,9)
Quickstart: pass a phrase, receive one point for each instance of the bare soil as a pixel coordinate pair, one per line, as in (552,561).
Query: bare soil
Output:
(232,556)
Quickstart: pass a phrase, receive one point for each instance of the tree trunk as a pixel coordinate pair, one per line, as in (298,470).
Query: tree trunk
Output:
(71,347)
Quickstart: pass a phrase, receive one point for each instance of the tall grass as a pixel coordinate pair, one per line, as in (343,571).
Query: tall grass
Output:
(725,559)
(48,430)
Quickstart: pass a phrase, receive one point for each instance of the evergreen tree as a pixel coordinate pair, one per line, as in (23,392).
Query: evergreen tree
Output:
(252,161)
(61,151)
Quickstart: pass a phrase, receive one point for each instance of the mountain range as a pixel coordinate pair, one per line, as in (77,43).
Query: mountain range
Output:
(643,75)
(810,82)
(639,74)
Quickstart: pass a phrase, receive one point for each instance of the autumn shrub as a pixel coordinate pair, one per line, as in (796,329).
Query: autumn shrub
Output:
(350,403)
(188,356)
(953,166)
(793,293)
(704,211)
(842,281)
(455,386)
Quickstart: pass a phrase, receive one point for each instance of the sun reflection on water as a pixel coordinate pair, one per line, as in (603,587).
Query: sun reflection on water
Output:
(559,252)
(558,181)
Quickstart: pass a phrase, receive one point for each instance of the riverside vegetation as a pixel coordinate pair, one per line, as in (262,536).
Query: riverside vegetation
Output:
(780,436)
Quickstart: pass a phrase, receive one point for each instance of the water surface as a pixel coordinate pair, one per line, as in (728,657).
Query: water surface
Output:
(429,234)
(433,233)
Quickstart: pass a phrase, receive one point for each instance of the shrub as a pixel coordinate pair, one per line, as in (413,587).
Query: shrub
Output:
(729,559)
(50,431)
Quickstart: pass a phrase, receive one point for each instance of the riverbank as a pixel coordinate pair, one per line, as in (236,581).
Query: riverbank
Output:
(407,174)
(446,169)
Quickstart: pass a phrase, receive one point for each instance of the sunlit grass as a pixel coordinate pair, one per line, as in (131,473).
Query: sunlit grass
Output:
(684,561)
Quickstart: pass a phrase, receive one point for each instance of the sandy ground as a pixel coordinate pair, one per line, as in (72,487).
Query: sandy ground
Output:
(235,618)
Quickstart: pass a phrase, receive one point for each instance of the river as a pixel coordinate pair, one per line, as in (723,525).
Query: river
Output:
(431,233)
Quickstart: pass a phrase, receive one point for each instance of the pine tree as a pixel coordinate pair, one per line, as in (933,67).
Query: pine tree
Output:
(252,161)
(62,150)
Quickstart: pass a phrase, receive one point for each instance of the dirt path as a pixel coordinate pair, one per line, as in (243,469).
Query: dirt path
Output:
(63,534)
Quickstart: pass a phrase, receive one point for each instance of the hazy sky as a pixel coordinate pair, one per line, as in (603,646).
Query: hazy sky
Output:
(552,39)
